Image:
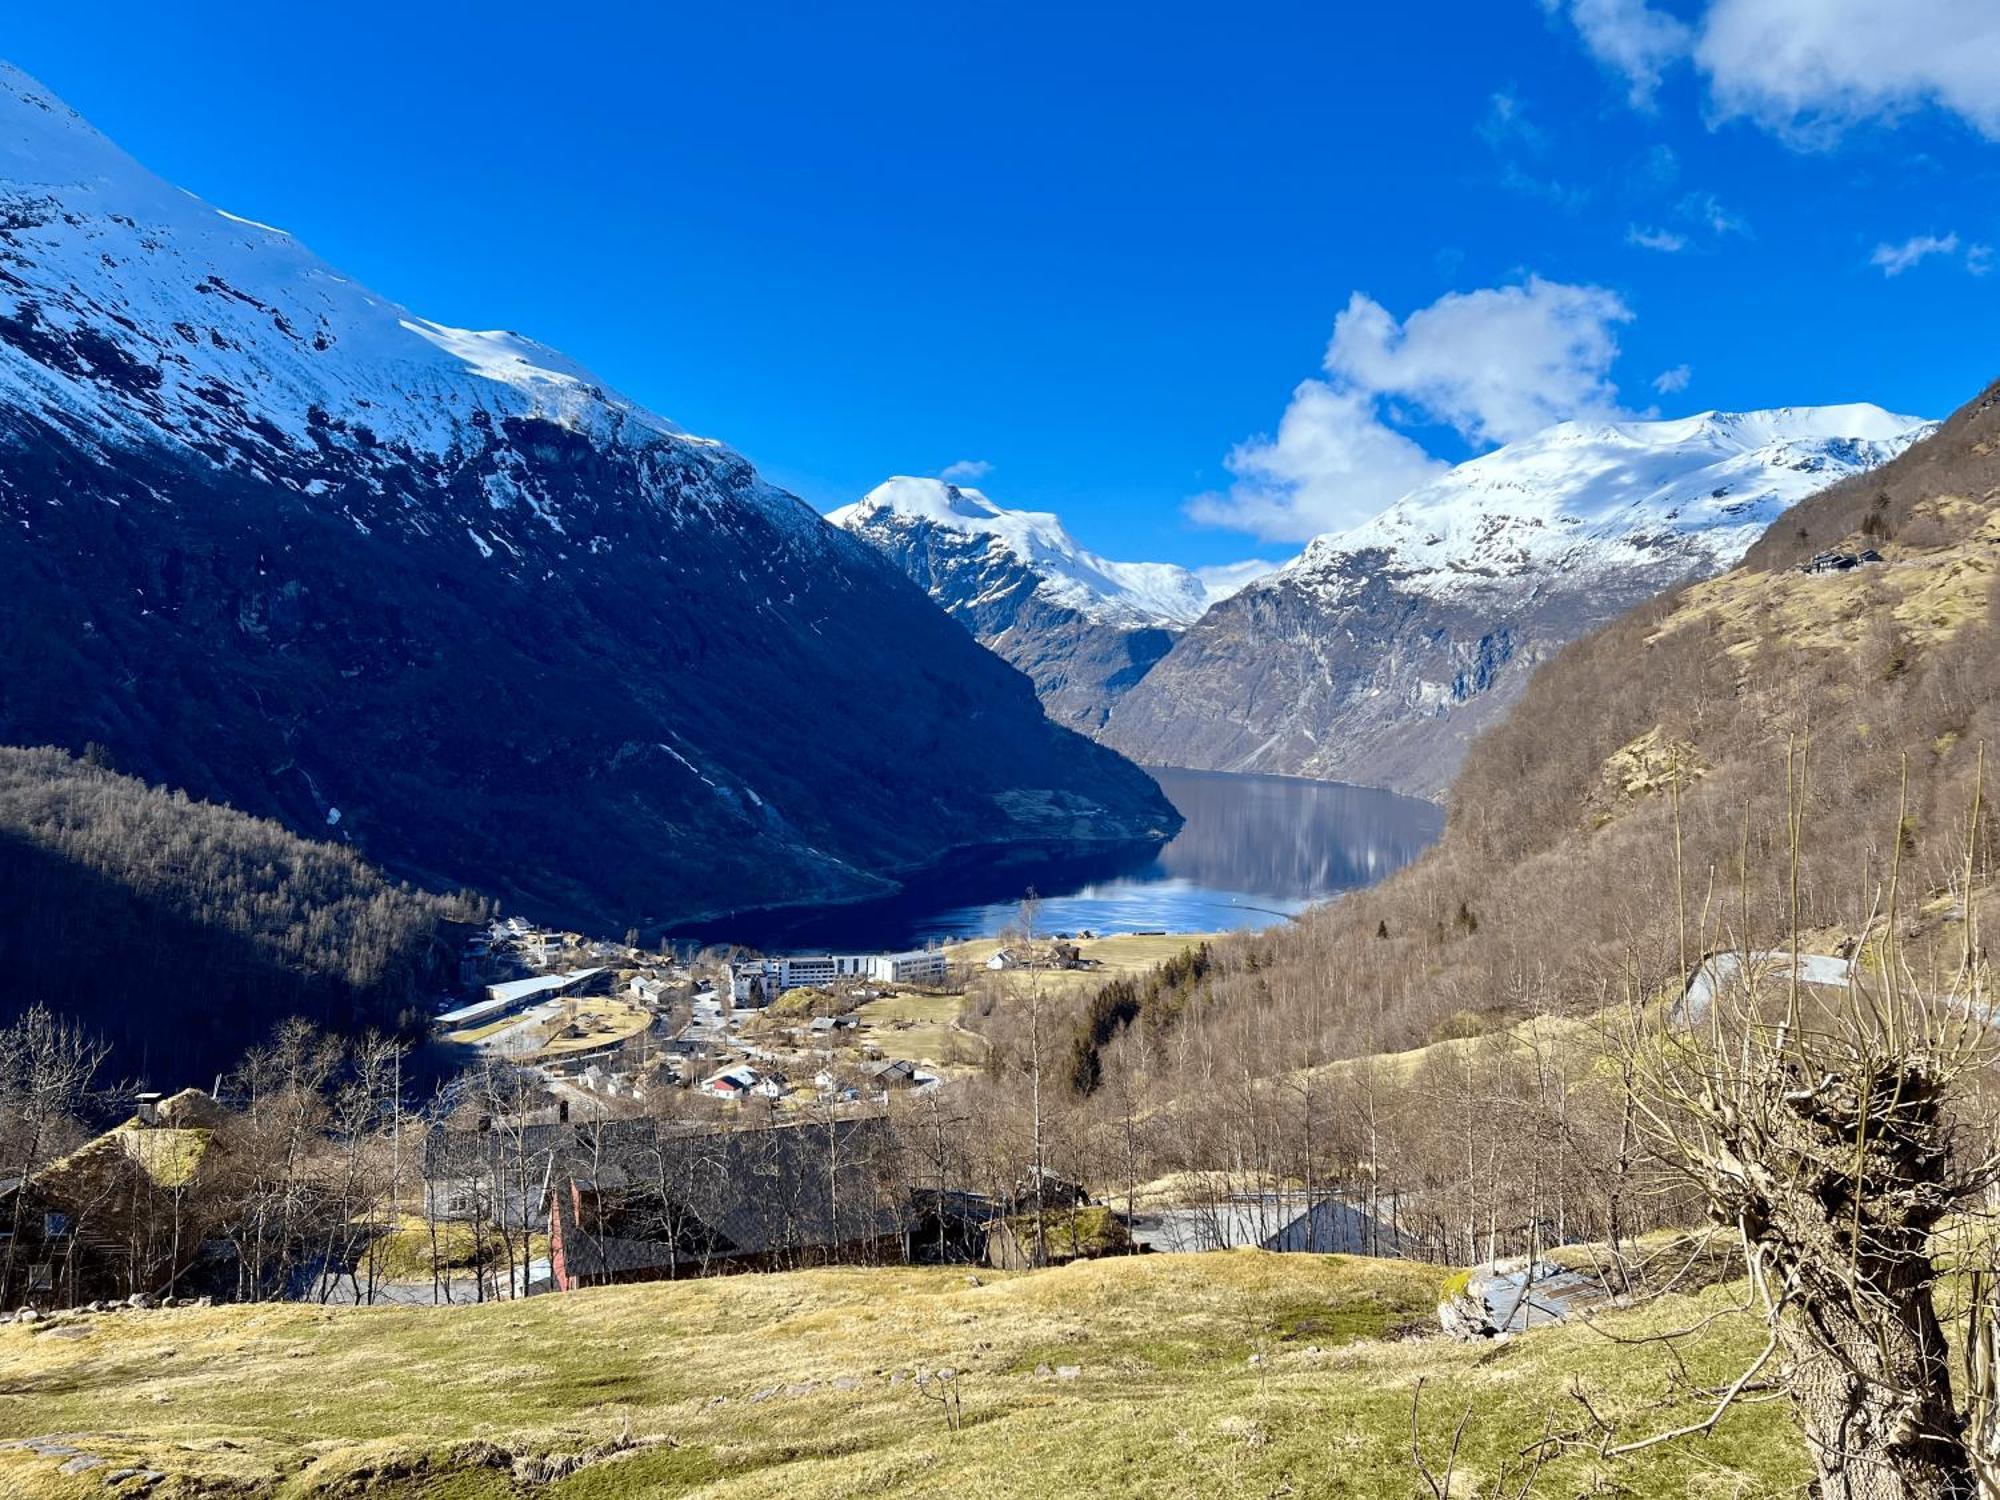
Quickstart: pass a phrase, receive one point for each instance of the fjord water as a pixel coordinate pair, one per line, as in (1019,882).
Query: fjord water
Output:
(1254,850)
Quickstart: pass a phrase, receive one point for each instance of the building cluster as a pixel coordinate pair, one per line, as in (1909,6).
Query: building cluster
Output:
(608,1021)
(156,1207)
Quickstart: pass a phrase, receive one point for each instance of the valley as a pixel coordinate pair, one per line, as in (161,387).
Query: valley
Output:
(1251,851)
(549,958)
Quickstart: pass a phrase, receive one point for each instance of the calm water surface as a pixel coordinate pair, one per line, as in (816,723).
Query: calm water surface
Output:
(1254,850)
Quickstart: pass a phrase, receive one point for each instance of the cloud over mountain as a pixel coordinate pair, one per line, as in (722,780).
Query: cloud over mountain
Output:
(1493,364)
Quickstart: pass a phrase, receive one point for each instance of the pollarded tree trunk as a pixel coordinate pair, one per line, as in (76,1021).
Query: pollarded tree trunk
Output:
(1874,1399)
(1837,1176)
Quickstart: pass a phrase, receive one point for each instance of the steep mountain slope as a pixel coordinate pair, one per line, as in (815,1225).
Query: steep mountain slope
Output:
(1870,689)
(1380,653)
(181,932)
(1083,628)
(284,544)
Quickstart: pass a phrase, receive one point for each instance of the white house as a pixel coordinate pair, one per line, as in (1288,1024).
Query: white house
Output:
(732,1083)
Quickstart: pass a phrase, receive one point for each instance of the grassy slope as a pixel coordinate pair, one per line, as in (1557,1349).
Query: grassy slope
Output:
(299,1400)
(1124,954)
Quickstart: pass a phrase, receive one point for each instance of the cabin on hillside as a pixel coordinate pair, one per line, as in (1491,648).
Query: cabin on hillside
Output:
(114,1216)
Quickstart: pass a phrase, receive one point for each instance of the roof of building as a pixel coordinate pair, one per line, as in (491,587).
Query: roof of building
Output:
(741,1192)
(516,990)
(168,1154)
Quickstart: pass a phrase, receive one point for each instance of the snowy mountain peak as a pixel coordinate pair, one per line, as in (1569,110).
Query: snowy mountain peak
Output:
(1584,499)
(135,313)
(43,140)
(1105,592)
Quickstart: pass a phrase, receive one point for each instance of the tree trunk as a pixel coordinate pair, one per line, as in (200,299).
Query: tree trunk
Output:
(1875,1401)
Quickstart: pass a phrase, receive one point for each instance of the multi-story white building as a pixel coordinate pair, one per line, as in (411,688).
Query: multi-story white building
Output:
(758,981)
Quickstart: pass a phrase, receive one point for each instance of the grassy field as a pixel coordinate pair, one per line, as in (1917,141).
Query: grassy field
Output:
(922,1028)
(1108,1378)
(604,1021)
(1125,953)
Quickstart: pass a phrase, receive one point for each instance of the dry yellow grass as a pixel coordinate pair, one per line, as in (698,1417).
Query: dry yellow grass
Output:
(1928,592)
(922,1028)
(1131,1376)
(1122,953)
(603,1020)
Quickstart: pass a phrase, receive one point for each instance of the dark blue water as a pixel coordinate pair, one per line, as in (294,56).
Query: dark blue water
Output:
(1254,850)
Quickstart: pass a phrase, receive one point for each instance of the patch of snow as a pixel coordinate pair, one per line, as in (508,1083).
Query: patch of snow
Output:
(1607,498)
(1112,593)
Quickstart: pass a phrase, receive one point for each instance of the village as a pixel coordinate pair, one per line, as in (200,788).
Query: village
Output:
(607,1024)
(616,1114)
(623,1115)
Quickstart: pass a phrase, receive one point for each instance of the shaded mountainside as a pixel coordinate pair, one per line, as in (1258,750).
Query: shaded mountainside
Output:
(437,592)
(1084,629)
(1380,654)
(179,931)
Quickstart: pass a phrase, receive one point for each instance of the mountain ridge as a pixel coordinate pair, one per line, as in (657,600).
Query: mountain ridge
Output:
(1380,653)
(1084,628)
(438,592)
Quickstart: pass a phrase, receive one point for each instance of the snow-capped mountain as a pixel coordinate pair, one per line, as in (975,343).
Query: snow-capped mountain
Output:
(1605,498)
(1083,628)
(1037,542)
(287,544)
(1381,651)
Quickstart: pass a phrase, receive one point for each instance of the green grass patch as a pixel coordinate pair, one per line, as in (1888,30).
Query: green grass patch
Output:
(797,1386)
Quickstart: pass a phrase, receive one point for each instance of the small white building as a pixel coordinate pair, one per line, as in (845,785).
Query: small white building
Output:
(732,1083)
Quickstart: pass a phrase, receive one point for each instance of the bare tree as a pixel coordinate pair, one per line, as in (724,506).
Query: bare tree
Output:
(1827,1130)
(47,1065)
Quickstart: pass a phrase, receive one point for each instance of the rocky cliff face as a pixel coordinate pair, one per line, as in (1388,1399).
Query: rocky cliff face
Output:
(1379,654)
(283,543)
(1085,629)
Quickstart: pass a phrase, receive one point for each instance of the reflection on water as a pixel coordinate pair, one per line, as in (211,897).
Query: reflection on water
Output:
(1254,850)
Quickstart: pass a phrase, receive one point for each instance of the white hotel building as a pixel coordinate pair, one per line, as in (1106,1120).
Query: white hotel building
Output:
(757,981)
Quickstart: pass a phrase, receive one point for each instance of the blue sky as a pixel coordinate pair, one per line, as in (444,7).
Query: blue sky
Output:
(1100,248)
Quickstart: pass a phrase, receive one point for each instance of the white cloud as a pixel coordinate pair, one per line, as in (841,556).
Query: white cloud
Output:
(1808,69)
(1706,209)
(1224,579)
(1332,462)
(1507,124)
(1978,259)
(1495,364)
(1631,38)
(1668,382)
(1663,240)
(965,471)
(1894,260)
